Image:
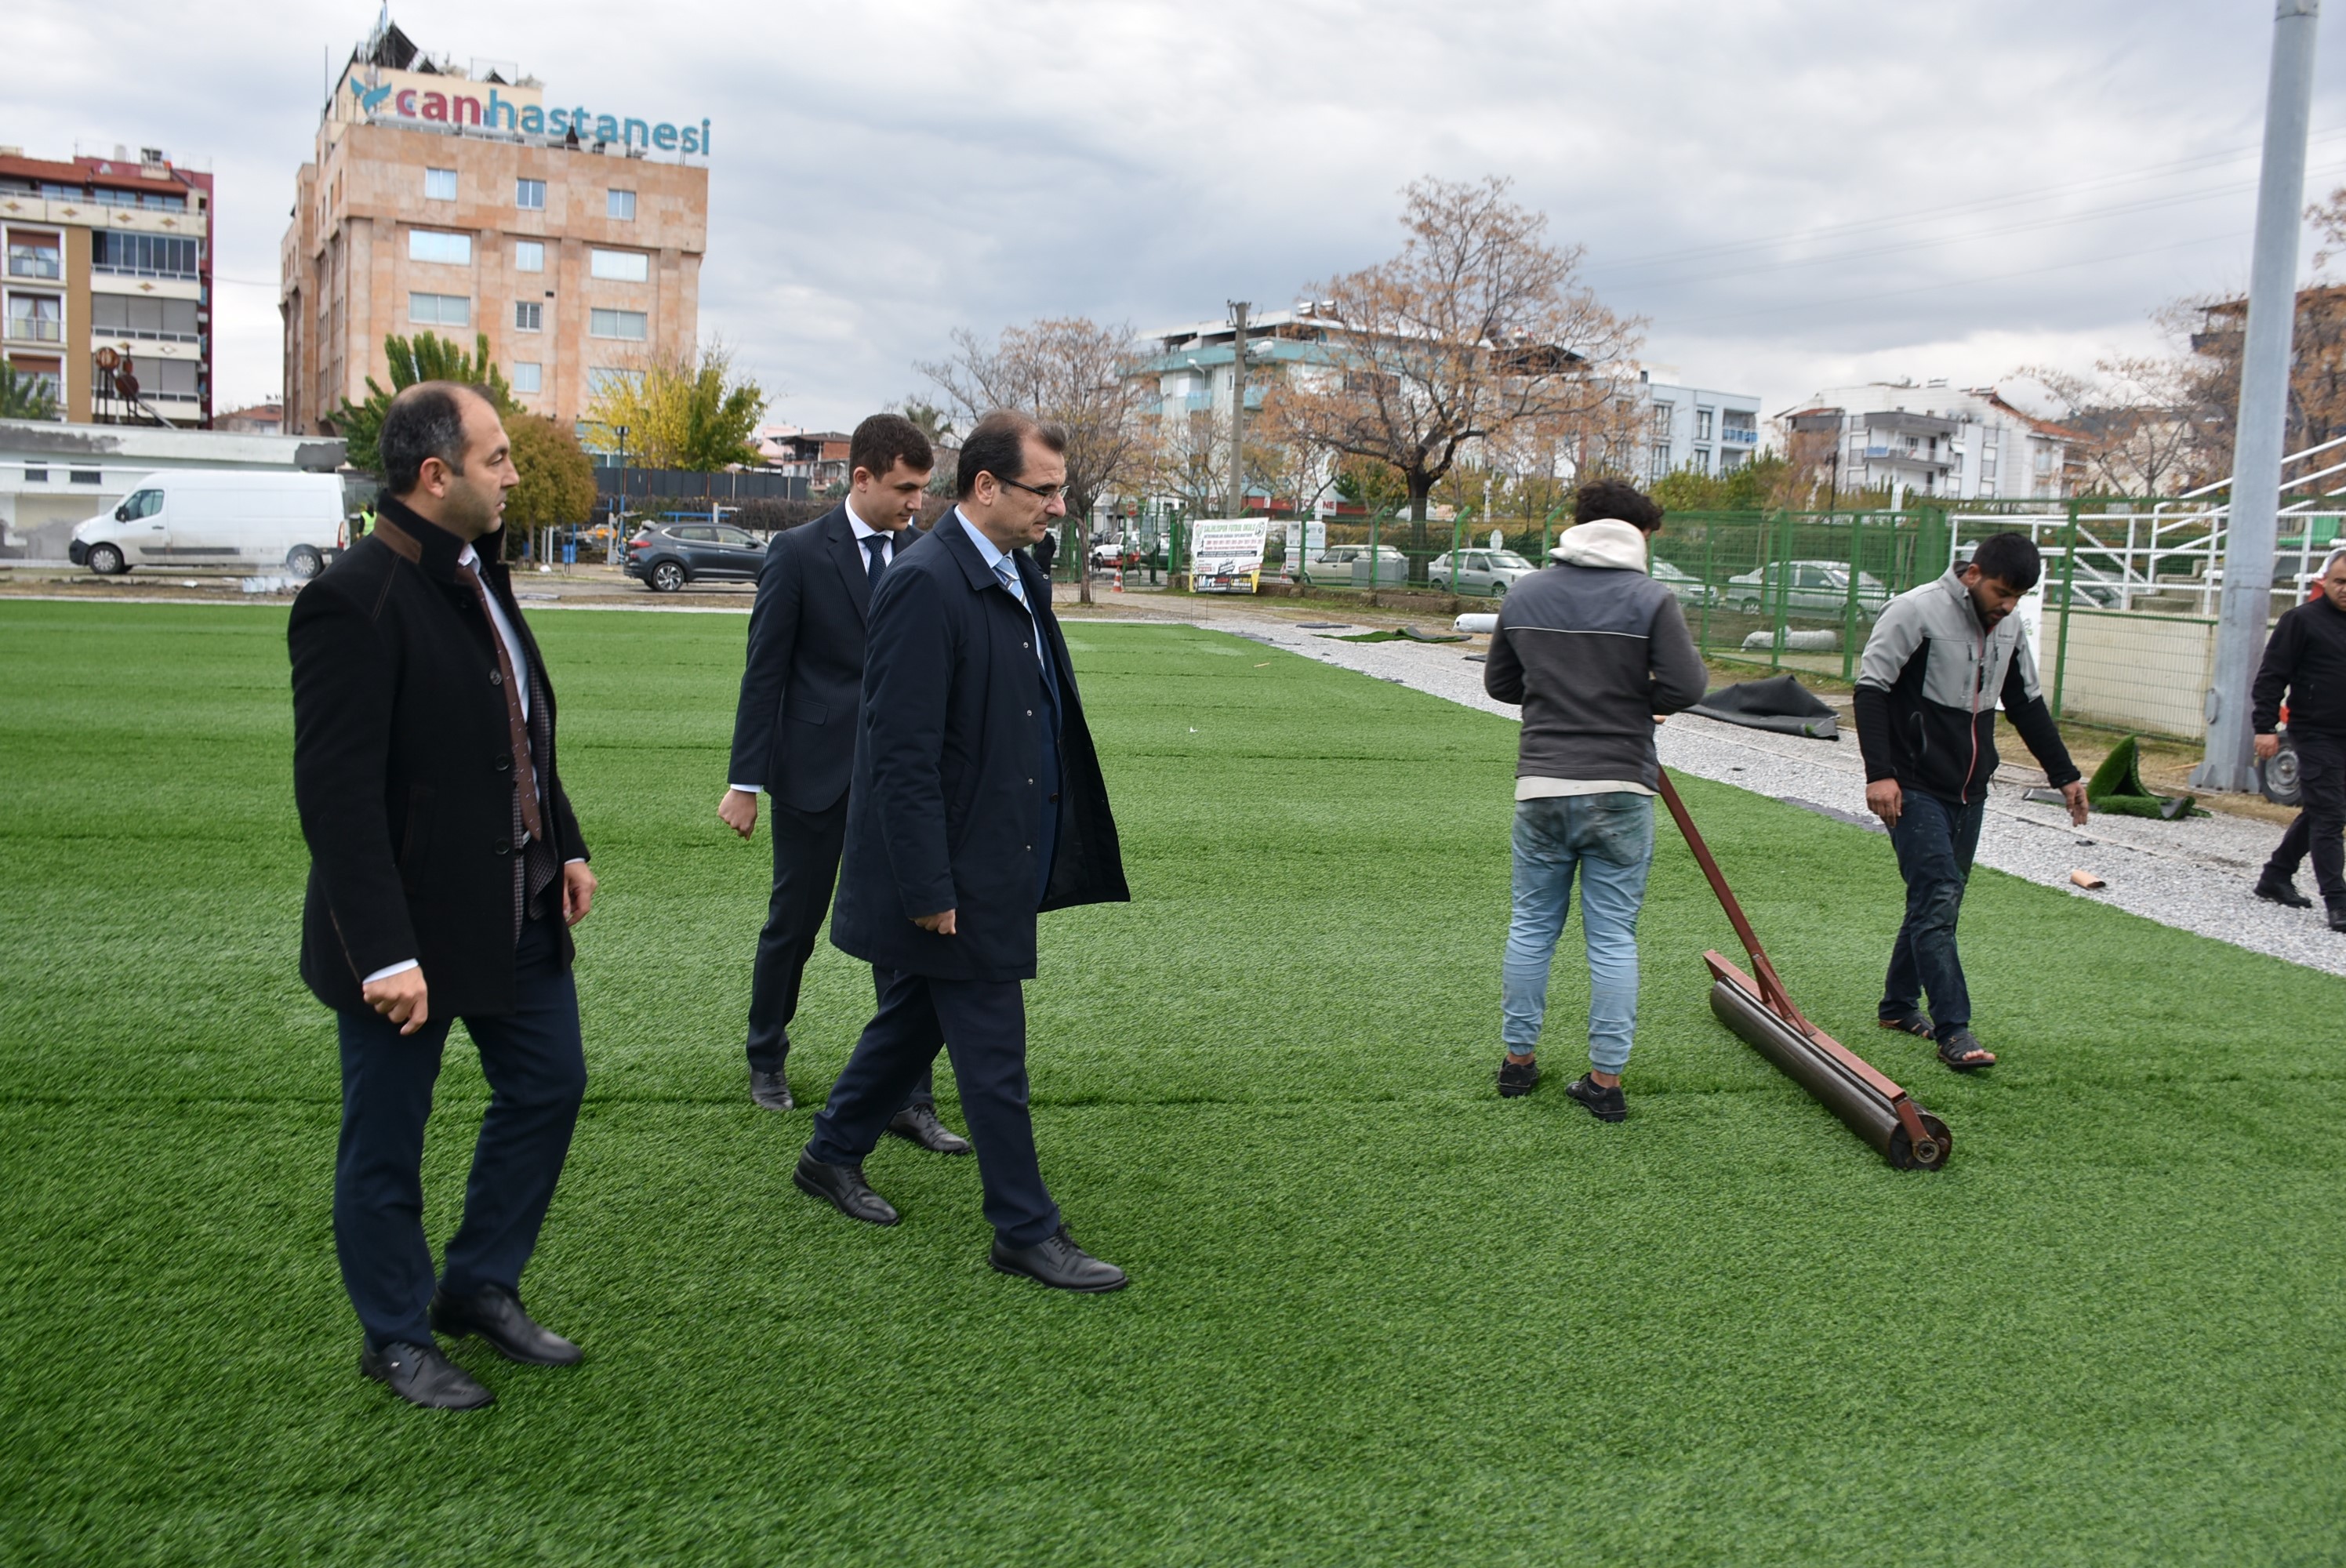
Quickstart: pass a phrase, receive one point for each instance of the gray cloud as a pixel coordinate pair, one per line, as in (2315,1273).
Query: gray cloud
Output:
(887,172)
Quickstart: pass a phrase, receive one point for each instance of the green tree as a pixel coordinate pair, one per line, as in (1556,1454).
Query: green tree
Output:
(425,358)
(678,414)
(557,478)
(22,396)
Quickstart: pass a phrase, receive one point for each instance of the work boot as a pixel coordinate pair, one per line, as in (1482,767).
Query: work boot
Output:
(2337,912)
(2281,891)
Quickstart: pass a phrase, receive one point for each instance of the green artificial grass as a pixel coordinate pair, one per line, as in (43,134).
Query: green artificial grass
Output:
(1378,1316)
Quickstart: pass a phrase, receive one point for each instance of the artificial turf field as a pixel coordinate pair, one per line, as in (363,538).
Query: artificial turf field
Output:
(1378,1315)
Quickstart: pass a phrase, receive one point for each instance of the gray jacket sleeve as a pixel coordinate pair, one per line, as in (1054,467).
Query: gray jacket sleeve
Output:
(1681,677)
(1896,638)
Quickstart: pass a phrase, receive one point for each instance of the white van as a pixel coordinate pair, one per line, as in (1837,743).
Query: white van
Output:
(217,517)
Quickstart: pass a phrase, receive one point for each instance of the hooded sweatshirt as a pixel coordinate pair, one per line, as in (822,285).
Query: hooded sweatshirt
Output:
(1594,649)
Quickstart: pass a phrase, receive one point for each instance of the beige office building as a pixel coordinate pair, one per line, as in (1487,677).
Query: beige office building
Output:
(451,199)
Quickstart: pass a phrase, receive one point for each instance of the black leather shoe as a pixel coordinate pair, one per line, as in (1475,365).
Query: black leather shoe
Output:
(2336,911)
(771,1090)
(844,1188)
(2283,891)
(1605,1105)
(421,1376)
(1516,1077)
(1056,1261)
(919,1122)
(495,1314)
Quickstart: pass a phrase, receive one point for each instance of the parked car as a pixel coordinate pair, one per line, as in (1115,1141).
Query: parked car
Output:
(1107,553)
(1815,588)
(1691,592)
(1348,564)
(667,556)
(1491,572)
(216,517)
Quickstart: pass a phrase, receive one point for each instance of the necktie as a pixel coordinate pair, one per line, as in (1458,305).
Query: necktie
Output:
(1009,576)
(525,775)
(875,545)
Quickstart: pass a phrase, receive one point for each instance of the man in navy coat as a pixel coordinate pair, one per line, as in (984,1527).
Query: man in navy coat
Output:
(977,801)
(795,733)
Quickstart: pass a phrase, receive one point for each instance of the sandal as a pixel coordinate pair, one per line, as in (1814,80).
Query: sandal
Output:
(1962,1052)
(1912,1023)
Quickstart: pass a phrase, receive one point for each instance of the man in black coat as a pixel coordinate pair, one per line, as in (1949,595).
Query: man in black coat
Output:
(2305,662)
(795,733)
(446,871)
(978,800)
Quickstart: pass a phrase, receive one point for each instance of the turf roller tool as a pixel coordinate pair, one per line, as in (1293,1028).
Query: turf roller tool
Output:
(1757,1007)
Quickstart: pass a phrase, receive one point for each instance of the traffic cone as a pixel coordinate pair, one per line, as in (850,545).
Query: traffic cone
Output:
(1119,576)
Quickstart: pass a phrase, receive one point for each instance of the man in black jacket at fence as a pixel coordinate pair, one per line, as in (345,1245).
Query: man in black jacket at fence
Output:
(2306,662)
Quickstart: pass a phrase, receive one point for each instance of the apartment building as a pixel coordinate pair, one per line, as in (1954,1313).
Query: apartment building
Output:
(1696,430)
(449,198)
(109,289)
(1931,439)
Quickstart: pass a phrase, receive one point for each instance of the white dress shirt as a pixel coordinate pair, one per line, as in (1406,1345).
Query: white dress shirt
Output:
(996,559)
(887,558)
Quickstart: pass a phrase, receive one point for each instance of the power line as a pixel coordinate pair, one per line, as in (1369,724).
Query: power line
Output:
(1839,299)
(2018,199)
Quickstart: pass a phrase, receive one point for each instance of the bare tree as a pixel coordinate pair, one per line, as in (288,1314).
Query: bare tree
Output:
(1478,329)
(2135,419)
(1067,371)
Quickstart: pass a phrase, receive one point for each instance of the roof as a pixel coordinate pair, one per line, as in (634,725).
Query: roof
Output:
(89,172)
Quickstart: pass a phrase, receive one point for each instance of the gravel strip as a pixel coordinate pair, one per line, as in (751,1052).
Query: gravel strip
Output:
(2196,875)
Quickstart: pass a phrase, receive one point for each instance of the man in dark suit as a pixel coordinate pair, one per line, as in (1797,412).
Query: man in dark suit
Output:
(978,800)
(795,733)
(446,871)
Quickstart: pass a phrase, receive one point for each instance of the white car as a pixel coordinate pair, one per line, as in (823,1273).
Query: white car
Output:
(1491,572)
(217,517)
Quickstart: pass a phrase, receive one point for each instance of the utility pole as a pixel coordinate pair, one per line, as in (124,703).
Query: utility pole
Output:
(2246,605)
(1239,309)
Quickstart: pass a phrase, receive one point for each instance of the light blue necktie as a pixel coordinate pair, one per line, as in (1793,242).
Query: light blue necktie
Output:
(1009,576)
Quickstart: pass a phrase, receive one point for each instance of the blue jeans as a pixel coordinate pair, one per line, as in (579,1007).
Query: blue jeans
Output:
(1936,841)
(1609,840)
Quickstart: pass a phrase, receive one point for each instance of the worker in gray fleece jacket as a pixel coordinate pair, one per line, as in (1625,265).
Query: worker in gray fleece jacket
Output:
(1596,652)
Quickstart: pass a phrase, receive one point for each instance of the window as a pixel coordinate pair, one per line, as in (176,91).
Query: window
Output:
(620,265)
(628,324)
(34,258)
(528,377)
(1702,460)
(432,245)
(164,378)
(139,503)
(37,318)
(529,256)
(440,309)
(1702,417)
(1662,412)
(136,316)
(144,255)
(530,195)
(439,185)
(693,536)
(41,475)
(82,476)
(604,378)
(734,536)
(621,204)
(530,316)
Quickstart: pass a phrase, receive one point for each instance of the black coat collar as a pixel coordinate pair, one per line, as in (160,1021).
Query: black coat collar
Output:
(427,544)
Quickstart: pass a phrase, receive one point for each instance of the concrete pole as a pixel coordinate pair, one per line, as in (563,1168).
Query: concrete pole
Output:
(1239,309)
(2246,605)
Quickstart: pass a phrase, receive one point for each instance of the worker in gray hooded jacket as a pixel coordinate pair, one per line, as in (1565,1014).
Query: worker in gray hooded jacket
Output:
(1595,651)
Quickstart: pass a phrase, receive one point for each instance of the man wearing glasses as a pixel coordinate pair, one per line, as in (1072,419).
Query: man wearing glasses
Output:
(977,801)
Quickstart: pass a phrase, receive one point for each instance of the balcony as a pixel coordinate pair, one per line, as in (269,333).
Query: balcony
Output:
(30,262)
(1900,457)
(35,330)
(1739,436)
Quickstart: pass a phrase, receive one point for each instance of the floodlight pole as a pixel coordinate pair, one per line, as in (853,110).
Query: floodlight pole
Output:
(1238,318)
(2246,604)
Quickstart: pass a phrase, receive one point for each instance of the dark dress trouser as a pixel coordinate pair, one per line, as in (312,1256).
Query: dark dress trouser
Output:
(983,1025)
(2320,831)
(536,1069)
(806,869)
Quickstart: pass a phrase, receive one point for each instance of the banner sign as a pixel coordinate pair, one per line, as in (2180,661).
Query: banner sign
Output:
(1226,554)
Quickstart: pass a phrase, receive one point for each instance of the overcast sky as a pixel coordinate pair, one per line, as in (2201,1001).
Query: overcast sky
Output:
(1794,194)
